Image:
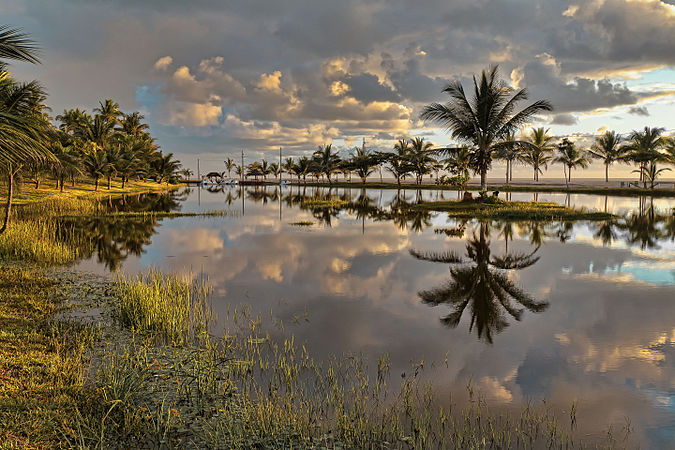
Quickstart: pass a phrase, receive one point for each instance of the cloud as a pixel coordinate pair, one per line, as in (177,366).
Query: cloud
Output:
(163,63)
(564,119)
(638,111)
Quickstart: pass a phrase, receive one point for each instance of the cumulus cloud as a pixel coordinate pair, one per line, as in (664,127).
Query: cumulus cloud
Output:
(565,119)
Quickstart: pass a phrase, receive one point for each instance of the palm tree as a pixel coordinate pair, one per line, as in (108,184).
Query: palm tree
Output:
(481,280)
(509,154)
(96,164)
(570,157)
(399,163)
(23,128)
(459,161)
(109,110)
(420,157)
(538,150)
(229,165)
(651,173)
(69,164)
(131,124)
(608,149)
(326,161)
(363,162)
(485,120)
(288,165)
(643,147)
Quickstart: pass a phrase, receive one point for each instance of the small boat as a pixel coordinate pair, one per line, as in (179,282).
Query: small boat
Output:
(284,183)
(230,182)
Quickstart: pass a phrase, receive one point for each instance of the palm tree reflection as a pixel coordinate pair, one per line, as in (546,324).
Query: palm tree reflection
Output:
(480,282)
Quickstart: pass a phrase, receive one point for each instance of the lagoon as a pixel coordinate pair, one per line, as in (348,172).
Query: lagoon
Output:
(598,299)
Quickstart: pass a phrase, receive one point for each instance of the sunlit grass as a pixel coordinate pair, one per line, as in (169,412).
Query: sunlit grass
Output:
(172,307)
(35,242)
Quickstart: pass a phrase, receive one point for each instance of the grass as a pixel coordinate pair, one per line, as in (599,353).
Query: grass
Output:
(166,305)
(25,193)
(167,214)
(42,361)
(35,242)
(513,210)
(324,203)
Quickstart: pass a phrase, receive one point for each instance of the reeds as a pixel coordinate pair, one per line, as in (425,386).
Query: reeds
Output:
(167,305)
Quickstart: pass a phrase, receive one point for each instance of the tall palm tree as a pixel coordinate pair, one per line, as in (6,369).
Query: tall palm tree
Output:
(643,147)
(485,120)
(570,157)
(69,164)
(459,161)
(420,157)
(480,280)
(650,173)
(166,167)
(326,161)
(538,151)
(23,128)
(608,148)
(363,163)
(399,160)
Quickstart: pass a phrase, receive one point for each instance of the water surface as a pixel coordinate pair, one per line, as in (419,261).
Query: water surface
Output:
(523,311)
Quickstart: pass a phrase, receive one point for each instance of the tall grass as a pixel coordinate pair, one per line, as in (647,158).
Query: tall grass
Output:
(35,241)
(174,308)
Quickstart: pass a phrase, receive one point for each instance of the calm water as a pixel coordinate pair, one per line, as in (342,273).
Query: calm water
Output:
(526,311)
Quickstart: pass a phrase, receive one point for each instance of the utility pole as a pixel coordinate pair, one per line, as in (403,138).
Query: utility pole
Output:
(198,174)
(242,165)
(280,165)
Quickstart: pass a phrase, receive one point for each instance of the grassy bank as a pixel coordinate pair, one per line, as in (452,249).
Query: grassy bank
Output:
(503,210)
(613,191)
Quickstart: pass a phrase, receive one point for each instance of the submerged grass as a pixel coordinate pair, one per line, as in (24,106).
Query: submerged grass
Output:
(510,210)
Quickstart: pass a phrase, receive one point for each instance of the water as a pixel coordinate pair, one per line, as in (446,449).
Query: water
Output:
(584,312)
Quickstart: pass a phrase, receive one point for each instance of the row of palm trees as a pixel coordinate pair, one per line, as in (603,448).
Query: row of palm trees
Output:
(107,144)
(416,157)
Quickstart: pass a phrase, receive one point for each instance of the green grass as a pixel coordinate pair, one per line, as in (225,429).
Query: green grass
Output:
(503,210)
(324,203)
(174,308)
(43,362)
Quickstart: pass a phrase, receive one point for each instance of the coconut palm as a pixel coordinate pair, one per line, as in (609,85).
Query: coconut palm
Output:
(509,154)
(73,120)
(165,167)
(538,151)
(399,161)
(458,161)
(420,157)
(481,281)
(326,161)
(69,164)
(131,124)
(643,147)
(608,149)
(23,128)
(96,164)
(485,120)
(109,110)
(570,157)
(363,162)
(650,173)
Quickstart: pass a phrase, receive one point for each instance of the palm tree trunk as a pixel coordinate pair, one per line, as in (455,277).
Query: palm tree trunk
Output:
(606,173)
(10,191)
(507,171)
(483,178)
(61,183)
(96,185)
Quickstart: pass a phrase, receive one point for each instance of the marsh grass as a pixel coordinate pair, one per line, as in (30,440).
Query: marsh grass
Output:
(35,242)
(171,307)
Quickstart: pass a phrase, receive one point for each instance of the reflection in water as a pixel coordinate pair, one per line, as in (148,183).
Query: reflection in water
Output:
(481,283)
(606,338)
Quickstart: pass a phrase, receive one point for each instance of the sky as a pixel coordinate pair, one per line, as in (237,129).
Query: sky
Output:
(215,77)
